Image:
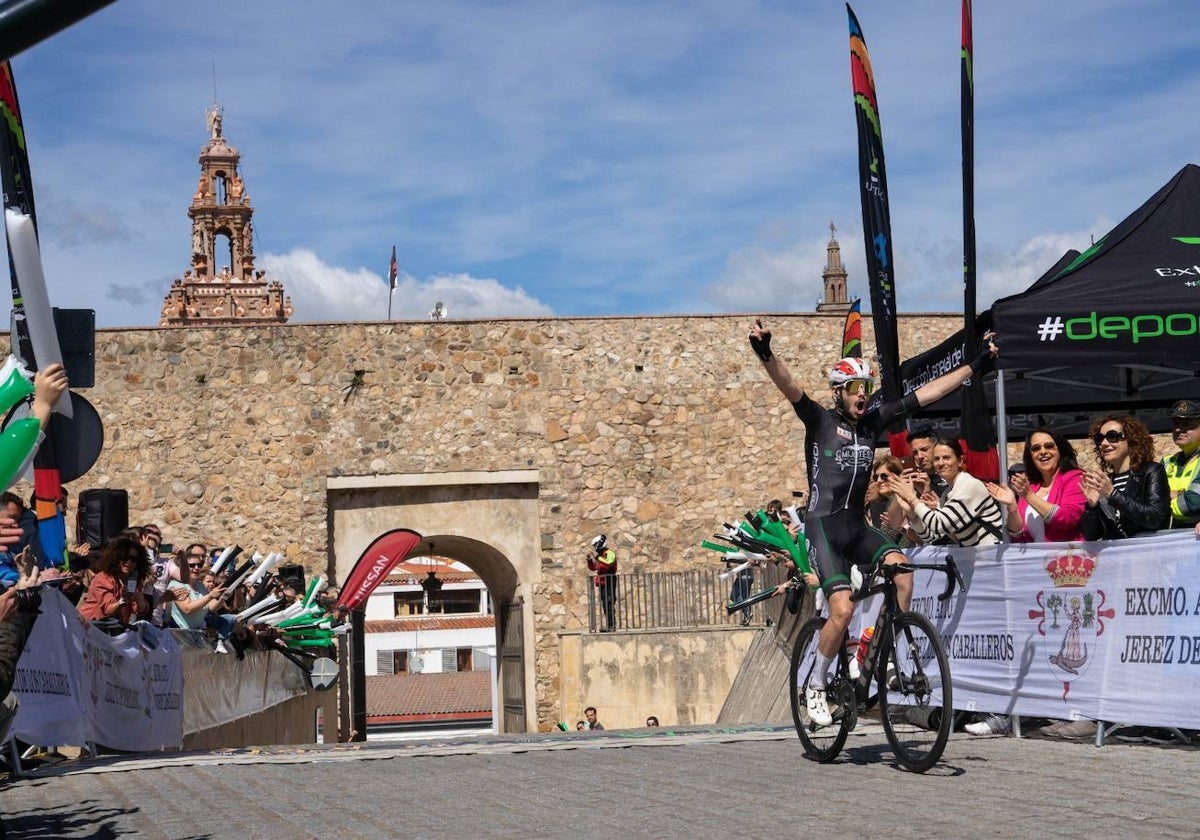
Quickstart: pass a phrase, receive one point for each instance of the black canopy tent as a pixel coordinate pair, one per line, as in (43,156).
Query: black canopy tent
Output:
(1116,328)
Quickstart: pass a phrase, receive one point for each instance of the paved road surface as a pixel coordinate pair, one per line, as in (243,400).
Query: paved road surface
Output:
(698,782)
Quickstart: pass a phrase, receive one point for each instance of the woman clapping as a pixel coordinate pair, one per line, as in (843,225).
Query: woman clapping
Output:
(967,514)
(1045,502)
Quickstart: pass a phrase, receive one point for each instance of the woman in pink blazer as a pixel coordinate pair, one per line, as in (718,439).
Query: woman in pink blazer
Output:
(1045,503)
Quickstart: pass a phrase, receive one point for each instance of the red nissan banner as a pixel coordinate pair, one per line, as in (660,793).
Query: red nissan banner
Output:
(379,558)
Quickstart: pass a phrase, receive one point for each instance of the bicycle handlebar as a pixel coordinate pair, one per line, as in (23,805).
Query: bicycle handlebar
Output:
(950,568)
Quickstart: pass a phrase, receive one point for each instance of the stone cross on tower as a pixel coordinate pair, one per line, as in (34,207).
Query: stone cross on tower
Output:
(222,232)
(834,275)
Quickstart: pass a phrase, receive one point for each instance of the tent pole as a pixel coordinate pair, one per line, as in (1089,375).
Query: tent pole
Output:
(1001,432)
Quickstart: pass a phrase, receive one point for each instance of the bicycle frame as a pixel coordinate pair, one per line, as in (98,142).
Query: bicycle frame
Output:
(891,609)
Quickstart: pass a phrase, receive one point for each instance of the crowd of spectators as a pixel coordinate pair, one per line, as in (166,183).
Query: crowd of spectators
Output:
(1122,491)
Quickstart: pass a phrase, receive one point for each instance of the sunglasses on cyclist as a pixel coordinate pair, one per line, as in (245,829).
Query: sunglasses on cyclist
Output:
(856,386)
(1112,436)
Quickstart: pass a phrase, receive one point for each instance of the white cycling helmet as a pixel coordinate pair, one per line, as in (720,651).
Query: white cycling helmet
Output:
(851,367)
(599,541)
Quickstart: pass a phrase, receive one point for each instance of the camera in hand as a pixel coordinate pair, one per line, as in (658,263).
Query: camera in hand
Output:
(28,600)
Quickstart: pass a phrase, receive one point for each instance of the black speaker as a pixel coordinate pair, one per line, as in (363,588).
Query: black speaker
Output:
(101,514)
(292,575)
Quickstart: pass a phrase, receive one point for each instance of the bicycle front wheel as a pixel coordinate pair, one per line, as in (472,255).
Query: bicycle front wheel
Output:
(915,700)
(821,742)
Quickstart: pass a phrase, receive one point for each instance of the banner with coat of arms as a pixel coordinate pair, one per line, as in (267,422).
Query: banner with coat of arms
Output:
(1108,631)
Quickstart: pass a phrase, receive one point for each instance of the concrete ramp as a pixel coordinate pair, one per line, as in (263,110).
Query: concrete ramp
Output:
(759,693)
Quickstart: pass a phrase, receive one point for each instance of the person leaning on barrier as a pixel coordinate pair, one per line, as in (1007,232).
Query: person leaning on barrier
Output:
(967,515)
(1183,468)
(1045,499)
(1128,493)
(115,592)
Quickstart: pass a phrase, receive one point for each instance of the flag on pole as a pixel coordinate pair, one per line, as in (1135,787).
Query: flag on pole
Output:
(877,225)
(852,331)
(392,271)
(34,337)
(978,431)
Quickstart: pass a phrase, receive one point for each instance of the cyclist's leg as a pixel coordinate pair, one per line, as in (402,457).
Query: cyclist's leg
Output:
(826,538)
(874,548)
(834,632)
(904,583)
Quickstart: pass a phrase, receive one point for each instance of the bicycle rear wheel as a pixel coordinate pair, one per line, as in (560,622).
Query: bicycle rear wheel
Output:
(821,742)
(915,699)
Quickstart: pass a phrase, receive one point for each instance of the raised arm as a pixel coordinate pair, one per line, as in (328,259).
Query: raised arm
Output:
(760,341)
(933,391)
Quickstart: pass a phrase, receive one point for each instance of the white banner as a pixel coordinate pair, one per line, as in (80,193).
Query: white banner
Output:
(48,676)
(134,693)
(77,684)
(1109,631)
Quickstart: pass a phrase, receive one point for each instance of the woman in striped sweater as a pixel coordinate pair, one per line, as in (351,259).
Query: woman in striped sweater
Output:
(966,515)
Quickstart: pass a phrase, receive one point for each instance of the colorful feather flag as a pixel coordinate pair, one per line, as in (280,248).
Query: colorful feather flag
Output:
(877,225)
(34,338)
(852,331)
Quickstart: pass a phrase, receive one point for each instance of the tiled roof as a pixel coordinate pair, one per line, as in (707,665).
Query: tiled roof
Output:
(426,623)
(420,695)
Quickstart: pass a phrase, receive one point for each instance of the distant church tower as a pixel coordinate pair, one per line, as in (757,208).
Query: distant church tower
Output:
(221,232)
(834,276)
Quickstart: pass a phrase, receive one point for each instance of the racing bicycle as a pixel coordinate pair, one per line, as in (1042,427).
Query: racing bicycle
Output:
(905,669)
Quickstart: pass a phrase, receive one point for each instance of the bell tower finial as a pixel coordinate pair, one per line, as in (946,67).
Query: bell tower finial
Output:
(222,233)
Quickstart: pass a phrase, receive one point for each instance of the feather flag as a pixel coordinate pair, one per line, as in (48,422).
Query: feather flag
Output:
(392,272)
(978,432)
(373,565)
(852,331)
(877,225)
(34,338)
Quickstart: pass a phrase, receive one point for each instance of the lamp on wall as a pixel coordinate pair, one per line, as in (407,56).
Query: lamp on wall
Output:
(431,584)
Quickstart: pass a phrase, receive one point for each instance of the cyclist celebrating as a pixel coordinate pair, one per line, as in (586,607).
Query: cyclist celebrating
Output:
(839,454)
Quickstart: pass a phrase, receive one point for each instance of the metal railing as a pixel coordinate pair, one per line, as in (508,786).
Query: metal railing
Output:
(654,600)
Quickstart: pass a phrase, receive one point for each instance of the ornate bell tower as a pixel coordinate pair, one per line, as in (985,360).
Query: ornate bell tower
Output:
(834,275)
(222,215)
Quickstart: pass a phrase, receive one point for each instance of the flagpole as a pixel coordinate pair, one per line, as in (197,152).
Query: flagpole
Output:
(390,303)
(968,175)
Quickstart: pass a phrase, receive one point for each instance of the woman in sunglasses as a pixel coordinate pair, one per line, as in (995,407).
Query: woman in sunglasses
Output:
(1128,494)
(116,590)
(1045,502)
(884,512)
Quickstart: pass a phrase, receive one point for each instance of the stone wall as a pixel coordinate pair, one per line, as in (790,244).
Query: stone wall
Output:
(652,430)
(680,676)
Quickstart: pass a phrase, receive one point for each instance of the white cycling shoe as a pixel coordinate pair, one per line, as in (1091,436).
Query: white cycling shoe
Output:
(818,708)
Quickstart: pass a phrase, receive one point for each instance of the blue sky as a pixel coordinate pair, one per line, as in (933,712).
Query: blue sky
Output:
(592,158)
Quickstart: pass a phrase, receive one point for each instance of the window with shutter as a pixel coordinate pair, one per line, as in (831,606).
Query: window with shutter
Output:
(384,662)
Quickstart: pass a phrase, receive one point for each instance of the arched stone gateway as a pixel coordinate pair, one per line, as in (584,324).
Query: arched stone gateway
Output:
(487,520)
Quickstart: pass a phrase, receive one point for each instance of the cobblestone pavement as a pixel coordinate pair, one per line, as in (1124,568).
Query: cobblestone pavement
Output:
(695,782)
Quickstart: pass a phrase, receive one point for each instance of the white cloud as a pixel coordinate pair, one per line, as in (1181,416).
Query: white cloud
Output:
(773,278)
(1014,271)
(322,292)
